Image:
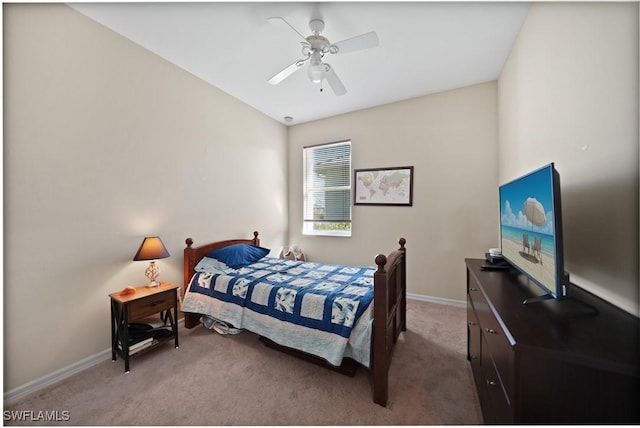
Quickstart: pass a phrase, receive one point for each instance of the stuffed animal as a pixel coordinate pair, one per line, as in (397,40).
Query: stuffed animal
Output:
(293,253)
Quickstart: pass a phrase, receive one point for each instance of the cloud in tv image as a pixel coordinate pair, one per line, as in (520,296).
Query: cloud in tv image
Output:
(527,228)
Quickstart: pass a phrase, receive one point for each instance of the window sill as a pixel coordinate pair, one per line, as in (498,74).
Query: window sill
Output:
(338,234)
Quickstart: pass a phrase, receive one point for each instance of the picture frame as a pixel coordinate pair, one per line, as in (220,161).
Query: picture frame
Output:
(383,186)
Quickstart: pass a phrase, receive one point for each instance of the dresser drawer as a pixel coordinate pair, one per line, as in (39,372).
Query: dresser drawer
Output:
(475,296)
(153,304)
(474,338)
(496,404)
(499,349)
(496,342)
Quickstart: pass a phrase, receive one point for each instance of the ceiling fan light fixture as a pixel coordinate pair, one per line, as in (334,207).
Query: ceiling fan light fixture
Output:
(316,71)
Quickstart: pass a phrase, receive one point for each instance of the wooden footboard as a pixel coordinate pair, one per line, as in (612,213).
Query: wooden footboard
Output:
(389,316)
(389,312)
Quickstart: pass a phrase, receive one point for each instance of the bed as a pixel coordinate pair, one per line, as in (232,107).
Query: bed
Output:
(368,331)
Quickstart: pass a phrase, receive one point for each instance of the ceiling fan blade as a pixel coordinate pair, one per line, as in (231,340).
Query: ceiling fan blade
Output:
(356,43)
(280,19)
(288,71)
(333,80)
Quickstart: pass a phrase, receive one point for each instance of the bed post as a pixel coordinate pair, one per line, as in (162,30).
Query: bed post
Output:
(380,354)
(190,320)
(389,316)
(188,266)
(403,282)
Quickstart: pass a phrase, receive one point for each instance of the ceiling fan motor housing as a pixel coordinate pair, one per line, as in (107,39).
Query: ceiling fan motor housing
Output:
(319,43)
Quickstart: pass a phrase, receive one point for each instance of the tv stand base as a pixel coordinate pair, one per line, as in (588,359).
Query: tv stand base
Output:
(537,299)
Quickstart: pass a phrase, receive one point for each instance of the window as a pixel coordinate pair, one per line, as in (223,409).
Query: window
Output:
(327,189)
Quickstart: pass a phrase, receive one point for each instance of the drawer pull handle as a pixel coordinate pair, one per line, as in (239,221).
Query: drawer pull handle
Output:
(157,302)
(490,330)
(491,383)
(473,289)
(472,323)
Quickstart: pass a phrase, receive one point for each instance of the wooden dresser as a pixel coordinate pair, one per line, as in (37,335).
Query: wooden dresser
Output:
(571,361)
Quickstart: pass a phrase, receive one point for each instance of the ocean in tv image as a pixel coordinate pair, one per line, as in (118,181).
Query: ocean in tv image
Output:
(527,226)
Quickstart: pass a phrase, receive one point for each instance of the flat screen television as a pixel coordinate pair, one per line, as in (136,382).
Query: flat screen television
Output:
(531,230)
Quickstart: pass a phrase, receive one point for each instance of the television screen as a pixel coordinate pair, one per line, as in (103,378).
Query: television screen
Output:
(531,228)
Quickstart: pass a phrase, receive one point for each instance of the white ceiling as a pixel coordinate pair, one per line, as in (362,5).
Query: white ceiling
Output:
(425,47)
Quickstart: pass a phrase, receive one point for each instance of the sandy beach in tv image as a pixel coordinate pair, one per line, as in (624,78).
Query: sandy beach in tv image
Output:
(541,266)
(527,226)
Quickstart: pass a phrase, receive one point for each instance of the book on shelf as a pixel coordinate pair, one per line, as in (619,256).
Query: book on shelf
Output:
(139,346)
(142,345)
(144,333)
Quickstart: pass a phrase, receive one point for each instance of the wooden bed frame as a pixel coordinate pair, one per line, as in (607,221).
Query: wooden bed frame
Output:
(389,312)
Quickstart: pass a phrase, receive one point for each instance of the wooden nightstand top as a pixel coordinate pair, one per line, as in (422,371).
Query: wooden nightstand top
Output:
(142,291)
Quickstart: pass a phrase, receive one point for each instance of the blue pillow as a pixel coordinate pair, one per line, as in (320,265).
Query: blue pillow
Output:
(239,255)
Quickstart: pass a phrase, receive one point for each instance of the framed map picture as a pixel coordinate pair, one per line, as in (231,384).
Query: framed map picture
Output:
(383,186)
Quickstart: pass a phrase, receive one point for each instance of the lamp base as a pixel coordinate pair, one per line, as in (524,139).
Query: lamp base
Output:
(152,273)
(152,284)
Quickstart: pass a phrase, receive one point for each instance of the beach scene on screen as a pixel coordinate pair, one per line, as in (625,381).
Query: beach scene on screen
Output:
(527,226)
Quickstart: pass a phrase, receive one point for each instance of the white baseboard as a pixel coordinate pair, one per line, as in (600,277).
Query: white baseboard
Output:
(40,383)
(439,300)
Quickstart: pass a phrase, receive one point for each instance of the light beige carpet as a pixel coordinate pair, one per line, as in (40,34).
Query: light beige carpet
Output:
(236,380)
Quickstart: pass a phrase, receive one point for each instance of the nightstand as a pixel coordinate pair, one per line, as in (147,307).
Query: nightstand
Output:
(144,302)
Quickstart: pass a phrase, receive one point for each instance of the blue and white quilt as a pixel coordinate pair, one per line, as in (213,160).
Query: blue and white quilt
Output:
(317,308)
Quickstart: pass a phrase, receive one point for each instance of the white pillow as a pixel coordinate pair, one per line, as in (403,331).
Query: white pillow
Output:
(211,265)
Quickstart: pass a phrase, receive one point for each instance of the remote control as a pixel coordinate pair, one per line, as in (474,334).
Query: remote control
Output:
(495,267)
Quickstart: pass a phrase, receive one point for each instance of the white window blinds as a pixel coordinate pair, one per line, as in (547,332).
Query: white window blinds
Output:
(327,189)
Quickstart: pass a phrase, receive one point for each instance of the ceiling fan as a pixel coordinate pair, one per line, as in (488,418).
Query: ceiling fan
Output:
(314,48)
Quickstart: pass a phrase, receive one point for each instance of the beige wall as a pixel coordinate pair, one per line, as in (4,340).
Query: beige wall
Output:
(569,94)
(105,143)
(451,140)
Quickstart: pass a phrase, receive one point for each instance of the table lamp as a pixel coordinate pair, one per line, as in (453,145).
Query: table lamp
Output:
(151,249)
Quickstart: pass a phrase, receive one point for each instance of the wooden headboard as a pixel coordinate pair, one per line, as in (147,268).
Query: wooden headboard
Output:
(192,255)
